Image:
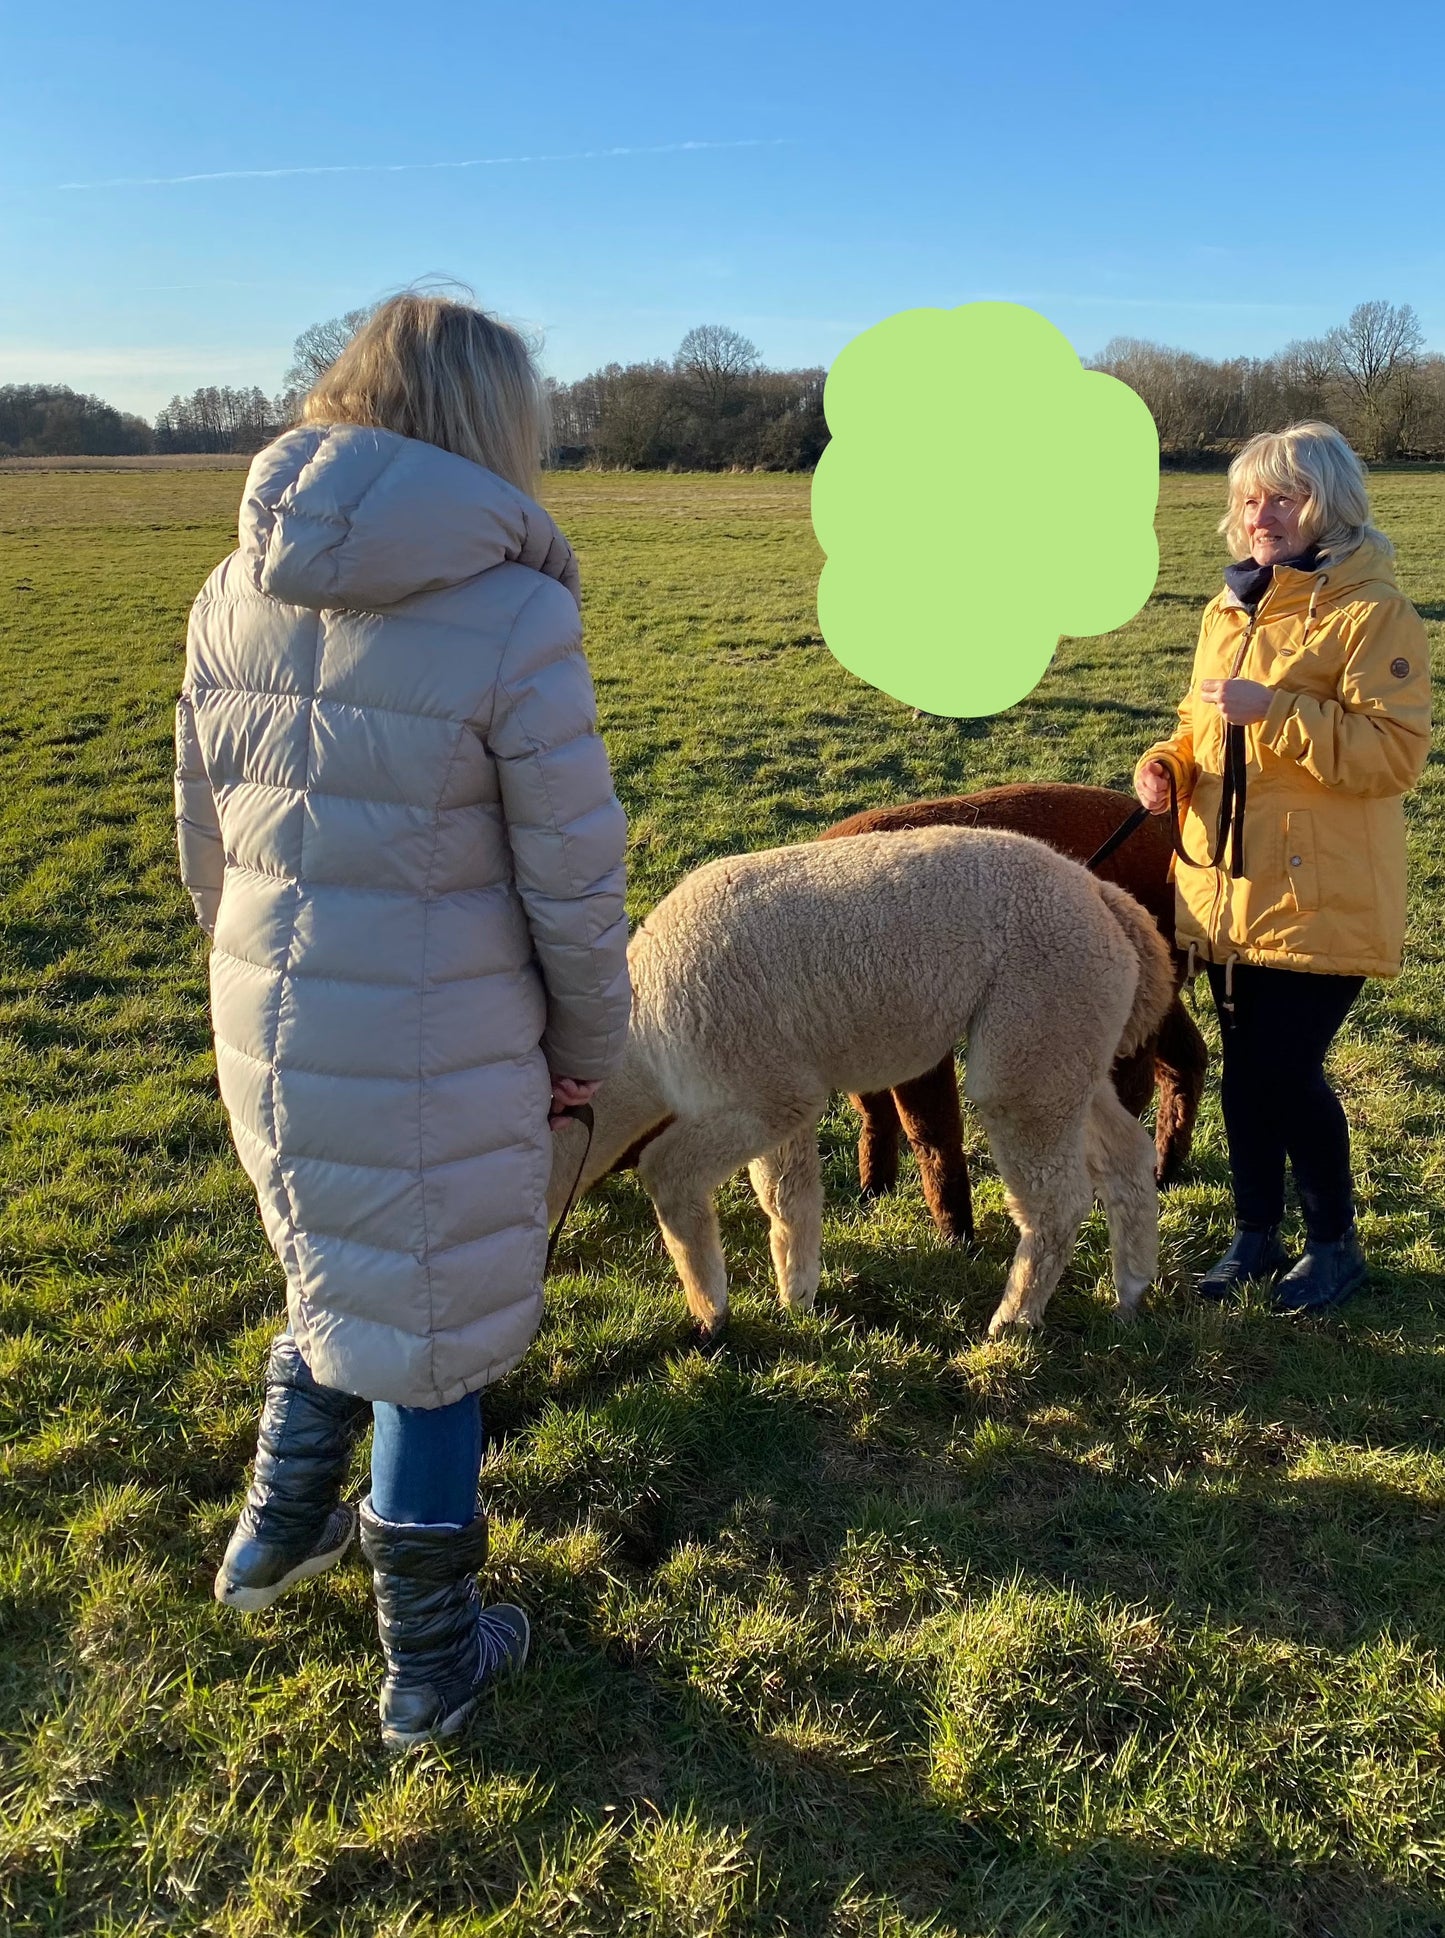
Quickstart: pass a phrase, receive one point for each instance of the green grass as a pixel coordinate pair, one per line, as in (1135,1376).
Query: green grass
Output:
(862,1627)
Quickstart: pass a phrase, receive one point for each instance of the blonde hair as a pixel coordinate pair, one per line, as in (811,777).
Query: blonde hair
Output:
(1313,463)
(444,372)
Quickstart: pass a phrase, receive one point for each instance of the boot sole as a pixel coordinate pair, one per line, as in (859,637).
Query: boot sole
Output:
(251,1600)
(1222,1294)
(1219,1293)
(1355,1285)
(456,1722)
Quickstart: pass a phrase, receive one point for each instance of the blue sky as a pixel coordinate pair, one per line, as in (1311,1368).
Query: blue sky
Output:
(798,171)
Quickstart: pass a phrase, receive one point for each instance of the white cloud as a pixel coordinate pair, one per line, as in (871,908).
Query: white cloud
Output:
(406,168)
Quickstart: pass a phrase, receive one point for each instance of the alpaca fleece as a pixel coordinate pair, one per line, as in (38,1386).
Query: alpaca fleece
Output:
(764,982)
(1077,821)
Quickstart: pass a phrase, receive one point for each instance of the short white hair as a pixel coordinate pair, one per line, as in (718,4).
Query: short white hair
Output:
(1313,463)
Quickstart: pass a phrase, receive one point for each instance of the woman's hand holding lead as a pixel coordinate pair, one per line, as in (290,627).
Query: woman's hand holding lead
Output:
(1151,784)
(1243,703)
(567,1094)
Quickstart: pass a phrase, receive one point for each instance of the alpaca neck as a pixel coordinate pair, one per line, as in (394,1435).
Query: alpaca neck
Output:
(627,1106)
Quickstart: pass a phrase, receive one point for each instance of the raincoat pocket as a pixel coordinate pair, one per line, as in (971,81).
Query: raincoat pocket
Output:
(1300,860)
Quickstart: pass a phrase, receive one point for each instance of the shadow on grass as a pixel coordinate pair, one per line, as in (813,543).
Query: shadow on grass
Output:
(835,1814)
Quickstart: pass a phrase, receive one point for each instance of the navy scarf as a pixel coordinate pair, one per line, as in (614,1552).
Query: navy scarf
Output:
(1249,582)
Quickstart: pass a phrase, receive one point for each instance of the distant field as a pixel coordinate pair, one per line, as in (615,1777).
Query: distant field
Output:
(176,461)
(864,1627)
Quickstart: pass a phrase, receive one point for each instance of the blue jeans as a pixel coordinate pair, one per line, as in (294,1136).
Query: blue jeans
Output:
(425,1461)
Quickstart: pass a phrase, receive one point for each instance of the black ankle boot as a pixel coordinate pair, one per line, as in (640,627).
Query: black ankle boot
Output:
(1329,1273)
(1253,1255)
(442,1647)
(292,1524)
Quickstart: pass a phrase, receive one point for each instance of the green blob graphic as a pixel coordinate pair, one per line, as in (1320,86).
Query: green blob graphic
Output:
(983,495)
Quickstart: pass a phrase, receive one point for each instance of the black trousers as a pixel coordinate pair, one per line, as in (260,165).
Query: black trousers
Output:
(1277,1101)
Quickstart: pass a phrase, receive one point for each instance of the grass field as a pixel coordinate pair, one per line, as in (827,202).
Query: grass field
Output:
(862,1627)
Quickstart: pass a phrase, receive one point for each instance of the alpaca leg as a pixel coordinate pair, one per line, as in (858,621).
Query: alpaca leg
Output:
(789,1184)
(877,1142)
(928,1110)
(1121,1163)
(1046,1182)
(681,1170)
(1181,1063)
(1133,1079)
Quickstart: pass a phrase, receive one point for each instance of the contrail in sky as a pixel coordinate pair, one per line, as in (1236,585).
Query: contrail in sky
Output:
(404,168)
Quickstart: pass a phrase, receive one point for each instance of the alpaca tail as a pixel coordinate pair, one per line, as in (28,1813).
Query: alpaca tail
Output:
(1154,991)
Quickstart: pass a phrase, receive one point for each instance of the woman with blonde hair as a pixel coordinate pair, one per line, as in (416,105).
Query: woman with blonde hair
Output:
(1306,722)
(398,827)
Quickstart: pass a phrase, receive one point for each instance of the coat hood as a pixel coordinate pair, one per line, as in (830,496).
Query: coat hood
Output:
(344,515)
(1329,579)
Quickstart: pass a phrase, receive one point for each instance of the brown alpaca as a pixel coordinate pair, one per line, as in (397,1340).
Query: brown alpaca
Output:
(763,983)
(1076,821)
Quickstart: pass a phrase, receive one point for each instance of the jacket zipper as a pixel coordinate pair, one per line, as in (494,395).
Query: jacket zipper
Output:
(1239,659)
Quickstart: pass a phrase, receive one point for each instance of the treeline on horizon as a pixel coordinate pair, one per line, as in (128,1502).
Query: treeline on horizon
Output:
(716,406)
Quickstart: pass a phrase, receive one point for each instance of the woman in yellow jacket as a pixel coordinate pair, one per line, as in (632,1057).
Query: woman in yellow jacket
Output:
(1306,722)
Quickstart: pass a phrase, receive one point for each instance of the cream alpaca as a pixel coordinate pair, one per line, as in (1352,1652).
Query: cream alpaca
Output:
(765,982)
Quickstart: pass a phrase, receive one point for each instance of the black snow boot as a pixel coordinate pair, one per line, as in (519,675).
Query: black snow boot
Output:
(1255,1254)
(1331,1271)
(293,1524)
(442,1647)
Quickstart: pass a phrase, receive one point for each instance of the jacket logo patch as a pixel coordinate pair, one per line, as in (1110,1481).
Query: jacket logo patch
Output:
(1400,668)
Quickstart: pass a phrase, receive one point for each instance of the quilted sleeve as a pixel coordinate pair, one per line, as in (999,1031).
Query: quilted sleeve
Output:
(567,833)
(198,828)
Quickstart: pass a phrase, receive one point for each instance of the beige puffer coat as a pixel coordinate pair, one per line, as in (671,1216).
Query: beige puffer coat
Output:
(397,823)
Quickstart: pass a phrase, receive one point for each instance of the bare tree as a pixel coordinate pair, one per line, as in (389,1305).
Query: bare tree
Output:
(1196,404)
(636,410)
(715,360)
(1308,373)
(1375,354)
(318,347)
(219,419)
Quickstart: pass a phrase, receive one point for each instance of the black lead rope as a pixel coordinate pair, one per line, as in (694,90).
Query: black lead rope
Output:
(1229,833)
(583,1114)
(1117,839)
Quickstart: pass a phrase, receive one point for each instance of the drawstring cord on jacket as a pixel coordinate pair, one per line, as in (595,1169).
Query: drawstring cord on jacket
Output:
(1229,985)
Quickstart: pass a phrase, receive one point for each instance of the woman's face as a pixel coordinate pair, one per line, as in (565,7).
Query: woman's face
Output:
(1271,521)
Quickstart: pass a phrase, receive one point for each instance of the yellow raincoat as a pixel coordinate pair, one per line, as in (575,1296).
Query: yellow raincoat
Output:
(1345,738)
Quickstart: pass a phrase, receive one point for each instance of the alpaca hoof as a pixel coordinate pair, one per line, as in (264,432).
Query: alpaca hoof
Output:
(1003,1322)
(1129,1296)
(709,1340)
